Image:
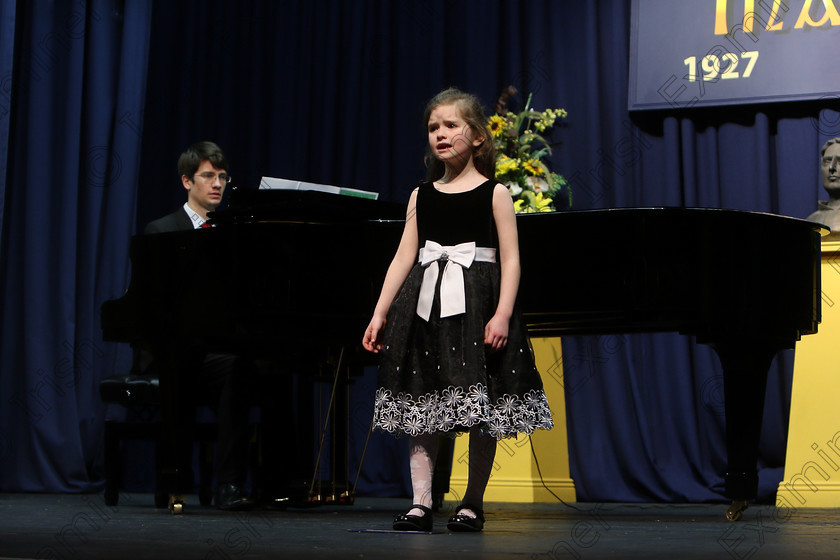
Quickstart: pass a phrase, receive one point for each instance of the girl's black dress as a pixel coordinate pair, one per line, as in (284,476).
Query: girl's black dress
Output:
(436,376)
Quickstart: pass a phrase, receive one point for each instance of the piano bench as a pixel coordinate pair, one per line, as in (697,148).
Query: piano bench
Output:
(130,390)
(140,395)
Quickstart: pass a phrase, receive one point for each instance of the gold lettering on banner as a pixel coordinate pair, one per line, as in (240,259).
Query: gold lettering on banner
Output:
(772,24)
(720,18)
(749,15)
(829,15)
(721,23)
(774,19)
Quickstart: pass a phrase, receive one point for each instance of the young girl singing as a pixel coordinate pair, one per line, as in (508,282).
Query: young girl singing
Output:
(454,352)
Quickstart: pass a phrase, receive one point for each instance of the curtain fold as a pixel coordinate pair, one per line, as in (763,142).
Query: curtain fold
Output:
(8,11)
(70,201)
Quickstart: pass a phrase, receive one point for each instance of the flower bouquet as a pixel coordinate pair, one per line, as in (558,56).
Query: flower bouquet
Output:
(520,151)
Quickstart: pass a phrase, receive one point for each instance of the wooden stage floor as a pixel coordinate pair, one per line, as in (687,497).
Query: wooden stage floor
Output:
(82,527)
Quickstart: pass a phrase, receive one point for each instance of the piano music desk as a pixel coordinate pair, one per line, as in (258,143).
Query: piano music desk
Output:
(812,462)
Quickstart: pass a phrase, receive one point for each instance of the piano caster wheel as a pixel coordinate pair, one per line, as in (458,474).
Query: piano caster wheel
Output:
(176,504)
(736,510)
(346,499)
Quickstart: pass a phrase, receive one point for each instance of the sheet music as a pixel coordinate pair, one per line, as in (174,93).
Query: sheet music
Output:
(288,184)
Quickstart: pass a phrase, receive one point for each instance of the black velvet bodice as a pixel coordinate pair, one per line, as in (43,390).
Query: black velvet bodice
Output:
(453,218)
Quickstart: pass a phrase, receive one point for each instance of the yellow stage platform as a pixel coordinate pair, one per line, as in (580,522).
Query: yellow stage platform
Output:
(812,462)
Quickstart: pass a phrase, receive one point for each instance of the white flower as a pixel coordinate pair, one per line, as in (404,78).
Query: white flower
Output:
(389,422)
(478,394)
(494,428)
(508,404)
(425,403)
(413,425)
(537,184)
(469,416)
(524,426)
(383,395)
(404,401)
(514,188)
(452,396)
(446,423)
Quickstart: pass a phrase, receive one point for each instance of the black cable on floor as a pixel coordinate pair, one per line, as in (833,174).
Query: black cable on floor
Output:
(539,472)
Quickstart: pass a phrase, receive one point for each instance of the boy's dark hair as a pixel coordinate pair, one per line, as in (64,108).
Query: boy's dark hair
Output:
(191,159)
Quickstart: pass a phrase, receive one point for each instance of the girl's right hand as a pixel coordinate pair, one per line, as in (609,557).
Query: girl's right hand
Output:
(372,339)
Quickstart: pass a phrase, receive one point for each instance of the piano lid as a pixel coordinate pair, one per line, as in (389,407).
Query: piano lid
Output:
(713,272)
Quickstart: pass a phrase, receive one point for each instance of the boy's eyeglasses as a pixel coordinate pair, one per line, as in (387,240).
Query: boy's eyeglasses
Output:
(224,178)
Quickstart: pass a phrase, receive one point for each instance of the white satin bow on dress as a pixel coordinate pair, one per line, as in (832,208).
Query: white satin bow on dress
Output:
(456,258)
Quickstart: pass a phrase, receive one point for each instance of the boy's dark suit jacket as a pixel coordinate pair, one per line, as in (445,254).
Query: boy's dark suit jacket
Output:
(176,221)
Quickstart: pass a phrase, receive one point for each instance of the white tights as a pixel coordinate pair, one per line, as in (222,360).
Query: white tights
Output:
(422,452)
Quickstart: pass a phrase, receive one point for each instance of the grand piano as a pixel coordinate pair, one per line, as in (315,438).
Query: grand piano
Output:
(294,271)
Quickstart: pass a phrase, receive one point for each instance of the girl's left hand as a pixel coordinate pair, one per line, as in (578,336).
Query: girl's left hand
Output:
(496,333)
(372,340)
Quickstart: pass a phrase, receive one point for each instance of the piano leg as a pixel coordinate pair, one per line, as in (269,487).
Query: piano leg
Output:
(736,509)
(745,365)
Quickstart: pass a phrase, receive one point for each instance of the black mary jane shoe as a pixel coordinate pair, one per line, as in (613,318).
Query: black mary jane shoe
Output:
(231,497)
(407,522)
(462,523)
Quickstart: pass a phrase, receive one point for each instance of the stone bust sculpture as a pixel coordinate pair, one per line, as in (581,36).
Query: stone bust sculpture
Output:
(828,213)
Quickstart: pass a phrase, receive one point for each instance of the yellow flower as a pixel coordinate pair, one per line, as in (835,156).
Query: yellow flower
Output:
(496,126)
(532,167)
(505,165)
(542,203)
(520,149)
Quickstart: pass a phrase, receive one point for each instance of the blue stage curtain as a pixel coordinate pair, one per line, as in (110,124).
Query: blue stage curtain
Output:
(73,152)
(7,32)
(332,91)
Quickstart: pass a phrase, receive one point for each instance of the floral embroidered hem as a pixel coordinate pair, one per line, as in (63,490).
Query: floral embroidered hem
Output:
(455,409)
